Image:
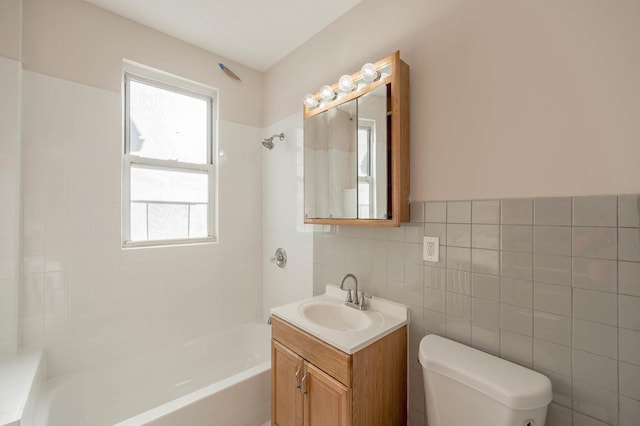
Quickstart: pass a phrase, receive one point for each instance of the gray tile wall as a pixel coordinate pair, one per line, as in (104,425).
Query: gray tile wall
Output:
(550,283)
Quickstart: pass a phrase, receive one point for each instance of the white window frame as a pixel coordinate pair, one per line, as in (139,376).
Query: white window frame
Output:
(142,74)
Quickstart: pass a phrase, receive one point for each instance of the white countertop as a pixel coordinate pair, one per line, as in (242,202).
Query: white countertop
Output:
(385,317)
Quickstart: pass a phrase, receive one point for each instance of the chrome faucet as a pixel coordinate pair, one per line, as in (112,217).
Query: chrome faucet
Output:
(356,301)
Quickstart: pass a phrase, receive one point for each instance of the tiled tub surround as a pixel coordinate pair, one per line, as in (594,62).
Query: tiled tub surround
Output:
(283,220)
(549,283)
(10,73)
(82,298)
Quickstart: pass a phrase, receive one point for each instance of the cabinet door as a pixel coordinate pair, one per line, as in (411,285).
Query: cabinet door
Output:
(326,400)
(286,398)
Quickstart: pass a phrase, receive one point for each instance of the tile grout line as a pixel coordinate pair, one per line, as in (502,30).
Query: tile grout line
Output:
(572,325)
(571,336)
(618,301)
(533,215)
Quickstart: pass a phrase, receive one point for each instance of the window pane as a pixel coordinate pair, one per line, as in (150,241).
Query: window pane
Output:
(364,202)
(168,221)
(167,125)
(168,204)
(168,185)
(138,221)
(198,221)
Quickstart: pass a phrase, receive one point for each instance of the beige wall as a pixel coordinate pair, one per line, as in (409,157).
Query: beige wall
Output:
(77,41)
(10,18)
(509,97)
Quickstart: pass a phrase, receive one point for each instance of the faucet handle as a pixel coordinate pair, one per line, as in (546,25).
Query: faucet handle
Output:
(349,296)
(363,302)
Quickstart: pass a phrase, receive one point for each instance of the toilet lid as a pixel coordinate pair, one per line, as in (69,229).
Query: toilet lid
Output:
(512,385)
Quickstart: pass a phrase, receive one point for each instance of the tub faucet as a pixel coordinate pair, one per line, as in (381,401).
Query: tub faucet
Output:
(356,301)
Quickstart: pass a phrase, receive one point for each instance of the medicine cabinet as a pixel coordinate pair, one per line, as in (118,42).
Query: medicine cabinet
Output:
(356,148)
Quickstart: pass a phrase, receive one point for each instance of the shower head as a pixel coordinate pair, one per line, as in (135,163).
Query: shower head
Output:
(268,142)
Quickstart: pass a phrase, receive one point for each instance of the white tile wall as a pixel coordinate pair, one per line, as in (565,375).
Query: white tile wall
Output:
(10,75)
(85,299)
(283,224)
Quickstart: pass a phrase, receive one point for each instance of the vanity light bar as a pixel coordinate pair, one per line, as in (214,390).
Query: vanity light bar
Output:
(368,74)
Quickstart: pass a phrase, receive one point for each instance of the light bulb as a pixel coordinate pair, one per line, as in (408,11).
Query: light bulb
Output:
(369,72)
(346,83)
(310,101)
(327,93)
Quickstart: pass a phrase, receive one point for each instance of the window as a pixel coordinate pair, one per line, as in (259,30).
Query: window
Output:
(168,172)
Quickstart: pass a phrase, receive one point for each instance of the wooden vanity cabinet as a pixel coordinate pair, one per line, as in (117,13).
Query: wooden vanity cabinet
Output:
(294,404)
(315,384)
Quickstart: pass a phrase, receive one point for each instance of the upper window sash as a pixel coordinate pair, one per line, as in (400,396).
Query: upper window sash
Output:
(128,77)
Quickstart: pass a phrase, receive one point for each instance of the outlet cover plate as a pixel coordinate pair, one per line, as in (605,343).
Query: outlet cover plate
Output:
(431,249)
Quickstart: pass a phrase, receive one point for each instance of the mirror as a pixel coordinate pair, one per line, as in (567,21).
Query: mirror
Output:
(346,159)
(330,143)
(356,149)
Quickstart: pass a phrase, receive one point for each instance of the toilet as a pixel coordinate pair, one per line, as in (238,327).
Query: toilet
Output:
(464,386)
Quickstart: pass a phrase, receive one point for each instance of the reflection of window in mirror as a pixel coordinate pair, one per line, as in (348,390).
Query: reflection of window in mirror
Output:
(366,165)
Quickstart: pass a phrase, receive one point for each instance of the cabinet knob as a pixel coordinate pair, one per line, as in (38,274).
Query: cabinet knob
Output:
(298,378)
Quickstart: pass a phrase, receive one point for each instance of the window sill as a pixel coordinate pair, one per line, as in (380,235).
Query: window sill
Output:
(168,243)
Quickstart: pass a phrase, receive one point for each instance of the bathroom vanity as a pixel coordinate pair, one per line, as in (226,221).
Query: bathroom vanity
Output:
(334,365)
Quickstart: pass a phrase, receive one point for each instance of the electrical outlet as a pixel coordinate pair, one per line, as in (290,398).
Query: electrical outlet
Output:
(431,249)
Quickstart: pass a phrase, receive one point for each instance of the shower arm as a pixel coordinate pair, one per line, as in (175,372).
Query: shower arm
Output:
(268,142)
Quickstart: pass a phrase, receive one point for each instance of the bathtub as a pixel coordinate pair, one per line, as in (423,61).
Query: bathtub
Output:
(221,379)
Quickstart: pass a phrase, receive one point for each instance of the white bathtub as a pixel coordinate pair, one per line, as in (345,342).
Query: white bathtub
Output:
(222,379)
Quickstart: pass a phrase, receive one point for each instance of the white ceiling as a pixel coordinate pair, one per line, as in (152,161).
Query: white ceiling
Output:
(255,33)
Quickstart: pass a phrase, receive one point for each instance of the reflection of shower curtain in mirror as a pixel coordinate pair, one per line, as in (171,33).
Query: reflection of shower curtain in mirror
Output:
(332,192)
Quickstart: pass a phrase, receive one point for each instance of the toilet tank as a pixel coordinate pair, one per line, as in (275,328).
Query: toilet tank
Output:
(467,386)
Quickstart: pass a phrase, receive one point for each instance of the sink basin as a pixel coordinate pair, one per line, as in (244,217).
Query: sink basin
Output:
(348,329)
(335,317)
